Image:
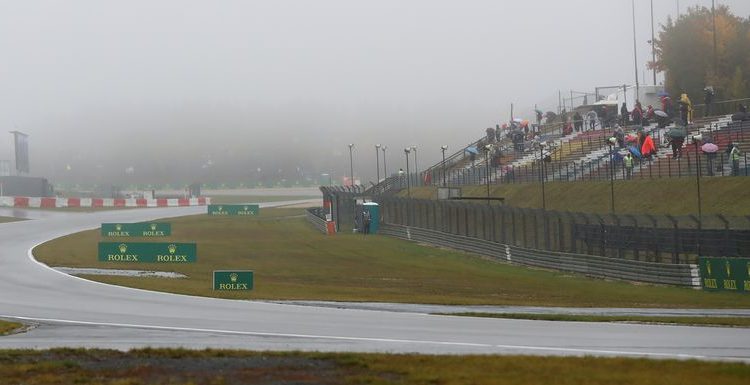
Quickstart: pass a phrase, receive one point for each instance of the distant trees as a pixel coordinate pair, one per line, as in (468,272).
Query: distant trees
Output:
(685,53)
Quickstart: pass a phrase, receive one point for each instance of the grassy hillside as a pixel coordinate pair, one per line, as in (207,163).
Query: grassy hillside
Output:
(676,196)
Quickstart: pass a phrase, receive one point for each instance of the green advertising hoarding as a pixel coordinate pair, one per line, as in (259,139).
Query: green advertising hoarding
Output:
(144,252)
(730,274)
(144,229)
(233,280)
(242,210)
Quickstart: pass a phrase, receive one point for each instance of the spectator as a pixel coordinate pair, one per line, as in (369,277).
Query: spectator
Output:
(578,121)
(624,113)
(620,136)
(650,115)
(667,106)
(366,222)
(647,145)
(628,163)
(742,108)
(637,114)
(734,157)
(592,120)
(686,109)
(708,99)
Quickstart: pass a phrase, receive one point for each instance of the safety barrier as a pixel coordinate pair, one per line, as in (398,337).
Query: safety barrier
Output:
(55,202)
(589,265)
(315,216)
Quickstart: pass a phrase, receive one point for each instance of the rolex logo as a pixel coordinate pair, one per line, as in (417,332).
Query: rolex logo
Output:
(172,248)
(728,266)
(221,208)
(153,227)
(708,268)
(118,227)
(245,208)
(123,248)
(233,277)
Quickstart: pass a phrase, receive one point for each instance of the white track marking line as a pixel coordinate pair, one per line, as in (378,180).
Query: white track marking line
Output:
(364,339)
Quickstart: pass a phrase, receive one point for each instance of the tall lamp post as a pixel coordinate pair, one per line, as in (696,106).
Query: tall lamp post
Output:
(385,170)
(542,174)
(416,166)
(443,148)
(377,162)
(351,165)
(487,150)
(635,56)
(696,139)
(408,174)
(611,142)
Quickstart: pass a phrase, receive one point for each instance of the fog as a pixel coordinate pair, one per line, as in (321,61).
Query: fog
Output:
(179,91)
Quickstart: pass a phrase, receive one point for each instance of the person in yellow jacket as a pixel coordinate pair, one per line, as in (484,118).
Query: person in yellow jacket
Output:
(686,108)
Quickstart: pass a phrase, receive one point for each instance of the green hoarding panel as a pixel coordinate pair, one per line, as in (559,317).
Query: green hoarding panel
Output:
(233,280)
(242,210)
(143,229)
(727,274)
(144,252)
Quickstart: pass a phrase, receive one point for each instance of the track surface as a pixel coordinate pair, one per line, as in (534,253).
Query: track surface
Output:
(70,311)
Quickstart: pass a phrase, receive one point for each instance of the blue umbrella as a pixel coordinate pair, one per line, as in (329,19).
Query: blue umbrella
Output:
(635,151)
(472,150)
(662,93)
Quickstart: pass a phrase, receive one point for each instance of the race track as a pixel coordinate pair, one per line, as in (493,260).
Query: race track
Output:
(70,311)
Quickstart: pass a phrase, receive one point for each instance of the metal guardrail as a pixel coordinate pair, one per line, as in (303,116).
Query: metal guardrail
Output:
(316,217)
(593,266)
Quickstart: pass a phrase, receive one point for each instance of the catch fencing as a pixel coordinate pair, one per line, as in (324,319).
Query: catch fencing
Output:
(646,238)
(589,265)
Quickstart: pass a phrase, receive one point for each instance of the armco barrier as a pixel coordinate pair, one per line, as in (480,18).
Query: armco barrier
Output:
(316,221)
(52,202)
(589,265)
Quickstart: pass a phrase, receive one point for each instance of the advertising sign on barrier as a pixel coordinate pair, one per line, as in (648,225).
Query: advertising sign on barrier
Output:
(729,274)
(145,229)
(233,280)
(144,252)
(233,210)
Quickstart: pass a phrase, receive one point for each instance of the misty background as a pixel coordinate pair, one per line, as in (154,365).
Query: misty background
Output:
(177,91)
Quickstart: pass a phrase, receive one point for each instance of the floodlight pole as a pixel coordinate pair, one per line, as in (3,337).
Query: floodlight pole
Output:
(377,163)
(443,148)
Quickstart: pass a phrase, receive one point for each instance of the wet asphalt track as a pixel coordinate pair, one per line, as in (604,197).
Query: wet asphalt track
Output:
(69,311)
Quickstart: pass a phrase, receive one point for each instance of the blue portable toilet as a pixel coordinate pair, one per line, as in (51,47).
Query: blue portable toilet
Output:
(374,210)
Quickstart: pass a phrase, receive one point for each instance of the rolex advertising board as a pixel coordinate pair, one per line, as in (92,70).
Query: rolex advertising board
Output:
(241,210)
(233,280)
(145,229)
(144,252)
(730,274)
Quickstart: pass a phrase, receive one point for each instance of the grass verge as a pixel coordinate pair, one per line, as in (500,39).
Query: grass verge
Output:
(158,366)
(7,327)
(10,219)
(292,260)
(691,321)
(729,196)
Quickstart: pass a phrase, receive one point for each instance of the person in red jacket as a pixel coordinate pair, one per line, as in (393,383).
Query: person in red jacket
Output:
(647,145)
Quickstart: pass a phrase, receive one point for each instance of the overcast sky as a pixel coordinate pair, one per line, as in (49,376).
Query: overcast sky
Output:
(105,85)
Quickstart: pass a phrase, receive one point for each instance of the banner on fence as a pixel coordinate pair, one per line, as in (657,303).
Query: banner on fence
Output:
(729,274)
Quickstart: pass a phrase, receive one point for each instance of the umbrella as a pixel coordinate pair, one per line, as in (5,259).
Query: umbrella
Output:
(518,120)
(677,132)
(472,150)
(661,113)
(630,138)
(635,151)
(662,93)
(709,148)
(738,117)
